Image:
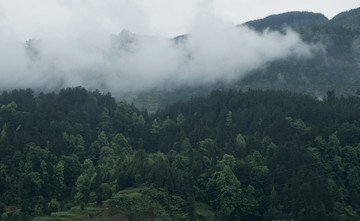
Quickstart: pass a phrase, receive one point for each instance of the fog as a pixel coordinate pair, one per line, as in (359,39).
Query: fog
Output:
(129,63)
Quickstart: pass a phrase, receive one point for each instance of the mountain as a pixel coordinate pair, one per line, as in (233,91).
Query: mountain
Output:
(335,66)
(297,20)
(293,20)
(236,154)
(349,19)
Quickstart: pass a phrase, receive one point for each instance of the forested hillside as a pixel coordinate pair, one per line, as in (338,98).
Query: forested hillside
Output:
(254,155)
(335,65)
(335,68)
(348,19)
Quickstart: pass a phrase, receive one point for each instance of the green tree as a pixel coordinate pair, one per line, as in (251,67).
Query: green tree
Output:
(180,119)
(240,145)
(210,147)
(228,189)
(228,119)
(160,172)
(95,147)
(53,206)
(4,217)
(258,170)
(4,182)
(228,160)
(155,127)
(107,164)
(16,216)
(120,145)
(58,180)
(76,144)
(84,182)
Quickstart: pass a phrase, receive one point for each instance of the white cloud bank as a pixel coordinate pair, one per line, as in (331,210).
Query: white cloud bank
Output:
(129,63)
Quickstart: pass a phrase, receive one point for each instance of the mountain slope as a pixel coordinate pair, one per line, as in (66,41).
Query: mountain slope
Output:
(349,19)
(293,20)
(334,66)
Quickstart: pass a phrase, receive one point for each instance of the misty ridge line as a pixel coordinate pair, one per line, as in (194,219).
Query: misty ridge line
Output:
(130,63)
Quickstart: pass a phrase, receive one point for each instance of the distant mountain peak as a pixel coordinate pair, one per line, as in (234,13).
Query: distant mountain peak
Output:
(295,20)
(349,19)
(123,40)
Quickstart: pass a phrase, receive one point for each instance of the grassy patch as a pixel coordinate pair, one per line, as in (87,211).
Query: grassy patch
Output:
(204,212)
(142,203)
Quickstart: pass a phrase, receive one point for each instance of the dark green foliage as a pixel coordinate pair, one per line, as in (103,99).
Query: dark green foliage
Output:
(349,19)
(292,20)
(282,172)
(255,155)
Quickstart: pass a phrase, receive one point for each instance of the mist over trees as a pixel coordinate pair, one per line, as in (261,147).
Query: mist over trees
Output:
(337,68)
(240,151)
(298,51)
(333,63)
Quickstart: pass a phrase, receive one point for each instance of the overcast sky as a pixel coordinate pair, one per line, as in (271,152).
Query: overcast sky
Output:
(169,18)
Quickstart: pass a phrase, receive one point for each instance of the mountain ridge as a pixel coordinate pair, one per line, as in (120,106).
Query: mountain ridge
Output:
(294,19)
(337,68)
(300,19)
(350,18)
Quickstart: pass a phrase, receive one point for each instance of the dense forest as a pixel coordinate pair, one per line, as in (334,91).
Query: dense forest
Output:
(235,155)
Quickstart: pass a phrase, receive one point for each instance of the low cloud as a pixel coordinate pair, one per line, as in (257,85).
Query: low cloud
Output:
(130,63)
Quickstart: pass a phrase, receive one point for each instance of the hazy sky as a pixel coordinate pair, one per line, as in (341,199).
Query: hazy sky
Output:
(168,18)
